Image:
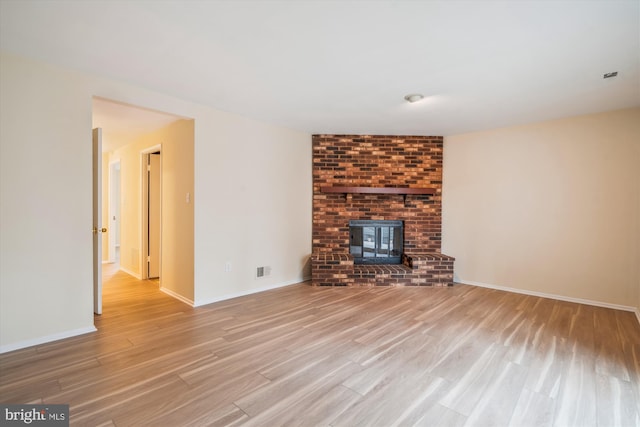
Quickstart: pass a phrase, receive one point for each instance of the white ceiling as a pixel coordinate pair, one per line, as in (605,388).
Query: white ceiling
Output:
(345,66)
(121,124)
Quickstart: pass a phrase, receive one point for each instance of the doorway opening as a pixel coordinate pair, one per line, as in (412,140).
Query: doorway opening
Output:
(151,212)
(131,136)
(114,213)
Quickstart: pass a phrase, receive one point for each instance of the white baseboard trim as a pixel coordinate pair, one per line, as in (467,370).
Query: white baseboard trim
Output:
(177,296)
(46,339)
(131,273)
(552,296)
(249,292)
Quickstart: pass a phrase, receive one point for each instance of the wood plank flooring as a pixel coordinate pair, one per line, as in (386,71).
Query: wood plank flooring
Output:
(305,356)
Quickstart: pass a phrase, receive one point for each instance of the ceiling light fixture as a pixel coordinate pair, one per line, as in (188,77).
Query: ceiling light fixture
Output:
(414,97)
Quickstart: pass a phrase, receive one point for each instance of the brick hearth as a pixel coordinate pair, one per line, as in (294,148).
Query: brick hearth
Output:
(378,162)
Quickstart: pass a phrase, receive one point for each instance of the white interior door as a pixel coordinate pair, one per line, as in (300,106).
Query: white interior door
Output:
(154,194)
(97,221)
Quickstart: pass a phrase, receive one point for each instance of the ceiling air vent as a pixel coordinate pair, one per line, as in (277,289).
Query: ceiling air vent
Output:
(609,75)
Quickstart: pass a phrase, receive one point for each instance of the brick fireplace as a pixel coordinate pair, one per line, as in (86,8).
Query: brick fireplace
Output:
(378,178)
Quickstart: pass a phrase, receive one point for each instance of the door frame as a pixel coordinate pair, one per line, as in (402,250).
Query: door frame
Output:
(144,222)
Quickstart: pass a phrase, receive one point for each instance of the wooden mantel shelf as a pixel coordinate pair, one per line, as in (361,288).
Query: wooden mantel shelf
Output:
(378,190)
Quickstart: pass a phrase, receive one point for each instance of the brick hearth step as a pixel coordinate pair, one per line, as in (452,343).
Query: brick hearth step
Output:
(423,269)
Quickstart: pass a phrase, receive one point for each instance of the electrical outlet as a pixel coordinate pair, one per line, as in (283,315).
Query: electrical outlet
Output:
(227,266)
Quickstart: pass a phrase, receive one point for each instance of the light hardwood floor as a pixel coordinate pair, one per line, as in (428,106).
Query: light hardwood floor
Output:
(308,356)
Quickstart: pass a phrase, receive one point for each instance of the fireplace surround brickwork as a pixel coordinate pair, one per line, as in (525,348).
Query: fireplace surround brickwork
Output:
(378,161)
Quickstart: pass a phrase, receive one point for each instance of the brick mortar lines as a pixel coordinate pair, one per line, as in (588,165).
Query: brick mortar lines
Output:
(377,161)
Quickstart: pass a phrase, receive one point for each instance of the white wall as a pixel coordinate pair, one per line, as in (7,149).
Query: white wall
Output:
(551,207)
(45,204)
(253,186)
(177,235)
(247,175)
